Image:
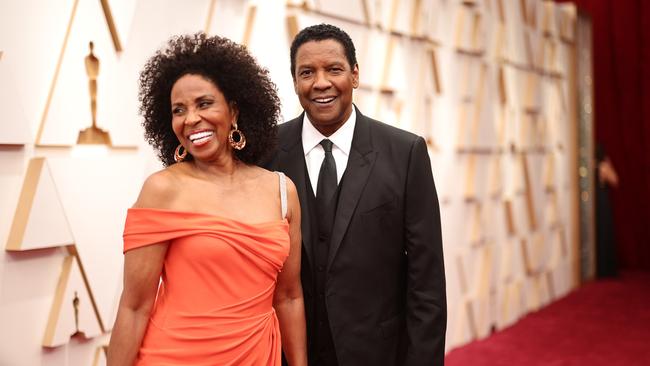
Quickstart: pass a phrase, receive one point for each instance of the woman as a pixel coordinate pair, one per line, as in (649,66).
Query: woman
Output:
(606,178)
(212,245)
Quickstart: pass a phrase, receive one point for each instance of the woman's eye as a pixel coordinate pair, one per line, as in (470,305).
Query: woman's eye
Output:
(177,110)
(205,103)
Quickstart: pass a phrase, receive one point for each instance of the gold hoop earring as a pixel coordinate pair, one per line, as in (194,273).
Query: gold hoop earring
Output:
(236,138)
(178,157)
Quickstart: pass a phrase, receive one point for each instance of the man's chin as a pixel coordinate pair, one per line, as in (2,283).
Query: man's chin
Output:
(323,122)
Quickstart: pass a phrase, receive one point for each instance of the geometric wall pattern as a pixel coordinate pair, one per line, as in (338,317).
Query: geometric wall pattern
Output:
(489,85)
(14,129)
(66,113)
(40,220)
(73,311)
(100,356)
(58,207)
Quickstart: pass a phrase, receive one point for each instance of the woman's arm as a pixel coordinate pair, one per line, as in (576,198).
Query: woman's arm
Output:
(607,173)
(288,301)
(142,267)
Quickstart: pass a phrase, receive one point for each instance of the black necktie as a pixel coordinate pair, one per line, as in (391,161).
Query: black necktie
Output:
(327,181)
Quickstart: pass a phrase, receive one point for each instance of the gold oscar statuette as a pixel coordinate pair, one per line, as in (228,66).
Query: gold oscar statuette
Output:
(75,305)
(93,134)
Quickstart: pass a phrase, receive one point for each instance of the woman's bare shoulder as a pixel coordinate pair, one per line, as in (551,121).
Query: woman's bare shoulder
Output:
(160,188)
(266,177)
(271,181)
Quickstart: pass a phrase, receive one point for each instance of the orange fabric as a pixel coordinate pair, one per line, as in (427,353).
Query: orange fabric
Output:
(215,302)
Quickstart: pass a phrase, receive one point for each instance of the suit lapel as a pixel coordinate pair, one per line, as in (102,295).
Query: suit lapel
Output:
(291,161)
(360,163)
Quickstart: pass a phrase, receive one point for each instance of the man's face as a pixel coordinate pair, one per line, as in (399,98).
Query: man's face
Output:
(323,81)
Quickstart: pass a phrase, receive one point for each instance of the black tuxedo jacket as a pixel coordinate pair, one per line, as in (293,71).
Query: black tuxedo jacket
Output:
(385,286)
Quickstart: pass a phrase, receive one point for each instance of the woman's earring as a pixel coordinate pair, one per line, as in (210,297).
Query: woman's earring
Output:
(178,157)
(236,138)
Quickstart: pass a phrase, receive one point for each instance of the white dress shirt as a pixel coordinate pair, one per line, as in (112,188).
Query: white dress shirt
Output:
(314,152)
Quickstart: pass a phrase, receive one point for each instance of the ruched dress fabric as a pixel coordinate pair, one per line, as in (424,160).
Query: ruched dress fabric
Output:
(215,301)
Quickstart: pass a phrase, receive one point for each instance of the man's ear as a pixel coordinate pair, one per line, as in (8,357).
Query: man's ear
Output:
(355,76)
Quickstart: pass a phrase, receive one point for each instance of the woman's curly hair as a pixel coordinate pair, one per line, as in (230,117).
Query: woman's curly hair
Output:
(232,69)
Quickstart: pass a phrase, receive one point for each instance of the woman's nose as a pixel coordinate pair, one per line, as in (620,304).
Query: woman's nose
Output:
(192,117)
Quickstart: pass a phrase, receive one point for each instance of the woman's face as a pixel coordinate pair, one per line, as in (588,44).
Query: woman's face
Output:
(201,117)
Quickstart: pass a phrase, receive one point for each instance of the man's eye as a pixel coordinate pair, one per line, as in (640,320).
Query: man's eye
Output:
(305,73)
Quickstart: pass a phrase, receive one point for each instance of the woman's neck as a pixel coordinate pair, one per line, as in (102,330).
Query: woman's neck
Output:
(227,169)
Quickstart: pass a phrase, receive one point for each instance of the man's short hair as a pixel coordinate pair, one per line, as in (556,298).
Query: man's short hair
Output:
(322,32)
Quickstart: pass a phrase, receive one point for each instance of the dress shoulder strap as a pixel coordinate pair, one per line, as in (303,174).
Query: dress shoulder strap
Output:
(283,193)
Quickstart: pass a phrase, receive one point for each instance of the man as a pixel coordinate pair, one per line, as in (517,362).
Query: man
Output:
(372,269)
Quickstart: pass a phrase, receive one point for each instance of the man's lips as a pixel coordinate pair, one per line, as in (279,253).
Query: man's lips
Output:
(323,100)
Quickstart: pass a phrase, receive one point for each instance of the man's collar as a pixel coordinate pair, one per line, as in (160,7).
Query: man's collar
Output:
(342,138)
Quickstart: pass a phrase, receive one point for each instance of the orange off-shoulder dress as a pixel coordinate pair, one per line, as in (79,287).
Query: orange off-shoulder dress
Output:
(215,301)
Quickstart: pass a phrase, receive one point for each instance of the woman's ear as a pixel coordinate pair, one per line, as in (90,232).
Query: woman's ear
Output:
(234,110)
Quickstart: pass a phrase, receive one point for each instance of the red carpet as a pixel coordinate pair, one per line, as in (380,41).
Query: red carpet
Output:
(606,322)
